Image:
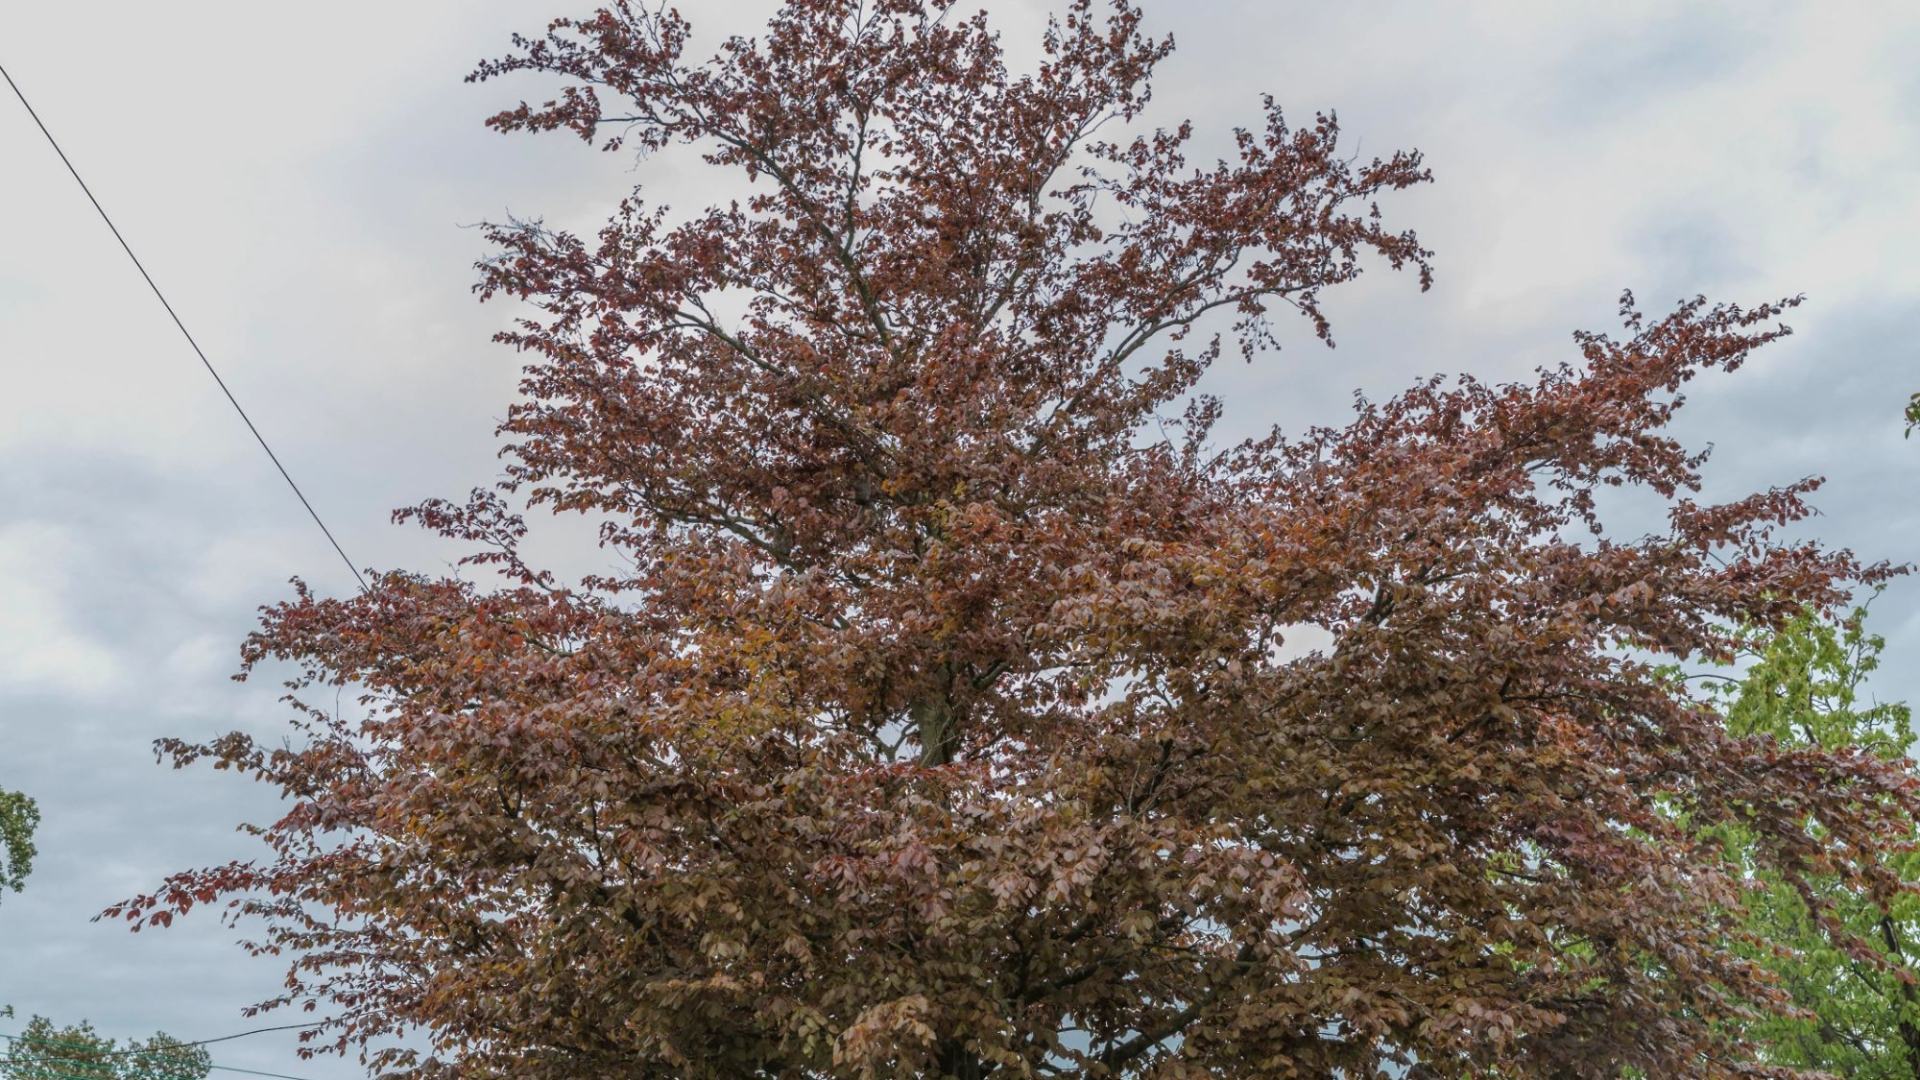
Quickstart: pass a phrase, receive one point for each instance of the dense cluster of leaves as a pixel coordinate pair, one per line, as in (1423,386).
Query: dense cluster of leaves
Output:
(46,1052)
(19,816)
(1849,961)
(947,711)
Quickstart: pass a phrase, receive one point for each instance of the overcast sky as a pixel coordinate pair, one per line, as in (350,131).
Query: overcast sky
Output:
(296,176)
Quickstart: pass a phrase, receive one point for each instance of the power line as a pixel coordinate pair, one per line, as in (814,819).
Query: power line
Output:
(94,1055)
(175,1044)
(235,402)
(255,1072)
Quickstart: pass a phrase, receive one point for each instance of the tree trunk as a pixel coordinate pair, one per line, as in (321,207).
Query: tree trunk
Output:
(1909,997)
(959,1063)
(937,722)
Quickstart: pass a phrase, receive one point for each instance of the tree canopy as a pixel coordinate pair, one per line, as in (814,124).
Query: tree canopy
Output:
(1856,977)
(46,1052)
(944,709)
(19,817)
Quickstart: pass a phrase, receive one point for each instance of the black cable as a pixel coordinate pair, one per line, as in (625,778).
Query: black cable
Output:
(261,439)
(175,1044)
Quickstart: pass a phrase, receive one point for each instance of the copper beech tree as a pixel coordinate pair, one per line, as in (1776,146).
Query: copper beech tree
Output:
(938,718)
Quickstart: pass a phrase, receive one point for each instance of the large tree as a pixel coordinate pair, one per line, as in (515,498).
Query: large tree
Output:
(937,713)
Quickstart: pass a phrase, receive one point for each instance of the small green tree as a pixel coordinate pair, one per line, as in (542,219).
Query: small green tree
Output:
(1913,414)
(44,1052)
(1806,689)
(18,817)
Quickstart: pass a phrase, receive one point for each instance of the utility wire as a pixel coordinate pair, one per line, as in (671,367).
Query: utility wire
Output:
(255,1072)
(235,402)
(176,1044)
(94,1055)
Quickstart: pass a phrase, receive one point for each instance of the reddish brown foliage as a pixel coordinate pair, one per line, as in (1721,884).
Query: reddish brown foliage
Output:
(940,723)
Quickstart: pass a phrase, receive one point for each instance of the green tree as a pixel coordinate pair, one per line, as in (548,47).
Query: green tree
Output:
(1913,414)
(18,817)
(44,1052)
(1806,689)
